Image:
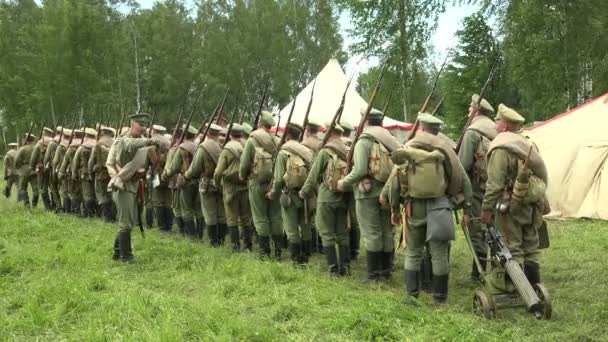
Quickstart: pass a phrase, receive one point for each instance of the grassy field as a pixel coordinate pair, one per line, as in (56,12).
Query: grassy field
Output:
(57,282)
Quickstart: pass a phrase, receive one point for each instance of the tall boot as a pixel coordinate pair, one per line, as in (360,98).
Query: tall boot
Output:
(180,225)
(90,204)
(34,200)
(67,205)
(373,266)
(190,228)
(235,239)
(150,217)
(306,250)
(278,243)
(106,208)
(264,242)
(116,254)
(294,252)
(440,288)
(248,238)
(532,272)
(223,232)
(426,273)
(166,214)
(46,201)
(475,275)
(332,261)
(26,199)
(212,235)
(313,241)
(355,241)
(344,260)
(76,207)
(200,228)
(126,252)
(412,283)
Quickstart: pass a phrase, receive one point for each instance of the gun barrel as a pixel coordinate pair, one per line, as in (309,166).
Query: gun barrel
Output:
(523,286)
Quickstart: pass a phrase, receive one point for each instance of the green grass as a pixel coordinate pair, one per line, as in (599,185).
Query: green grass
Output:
(57,282)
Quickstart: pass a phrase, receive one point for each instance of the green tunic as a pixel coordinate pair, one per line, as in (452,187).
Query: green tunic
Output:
(56,165)
(47,161)
(236,199)
(188,191)
(26,174)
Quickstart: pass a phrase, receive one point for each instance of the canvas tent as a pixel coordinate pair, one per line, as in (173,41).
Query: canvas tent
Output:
(330,85)
(574,146)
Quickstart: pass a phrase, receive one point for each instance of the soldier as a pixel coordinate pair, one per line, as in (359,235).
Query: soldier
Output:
(176,213)
(212,201)
(81,173)
(290,172)
(371,168)
(65,171)
(473,150)
(97,162)
(126,166)
(37,165)
(331,216)
(47,162)
(234,189)
(256,167)
(428,178)
(188,189)
(160,192)
(26,173)
(312,141)
(520,212)
(10,173)
(62,183)
(354,234)
(222,136)
(247,129)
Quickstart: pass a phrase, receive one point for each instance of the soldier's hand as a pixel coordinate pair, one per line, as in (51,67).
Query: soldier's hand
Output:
(340,185)
(466,219)
(302,194)
(382,200)
(395,218)
(486,217)
(270,195)
(241,178)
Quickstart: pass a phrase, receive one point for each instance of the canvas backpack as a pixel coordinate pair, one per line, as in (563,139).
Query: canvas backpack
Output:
(422,176)
(480,171)
(296,171)
(335,170)
(380,163)
(262,165)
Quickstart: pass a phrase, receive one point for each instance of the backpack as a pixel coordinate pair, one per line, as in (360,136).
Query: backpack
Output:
(335,170)
(530,192)
(262,165)
(422,176)
(480,171)
(296,171)
(380,163)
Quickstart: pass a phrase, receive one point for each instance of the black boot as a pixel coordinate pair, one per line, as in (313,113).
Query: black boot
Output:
(235,239)
(313,241)
(440,288)
(76,207)
(54,201)
(180,225)
(90,205)
(164,219)
(306,247)
(264,242)
(46,201)
(344,260)
(355,241)
(116,254)
(190,227)
(294,252)
(412,283)
(34,200)
(278,243)
(25,197)
(332,261)
(475,275)
(200,228)
(426,273)
(532,272)
(149,217)
(372,267)
(67,205)
(248,238)
(223,233)
(126,254)
(213,235)
(386,268)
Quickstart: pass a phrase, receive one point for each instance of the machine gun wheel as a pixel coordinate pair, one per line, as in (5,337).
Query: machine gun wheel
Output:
(545,298)
(483,304)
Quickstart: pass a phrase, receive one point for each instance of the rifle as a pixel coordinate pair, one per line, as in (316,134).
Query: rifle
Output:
(72,133)
(438,105)
(312,94)
(388,102)
(349,156)
(98,131)
(283,137)
(84,128)
(29,132)
(229,130)
(336,117)
(221,108)
(177,125)
(502,255)
(151,124)
(119,126)
(140,202)
(181,138)
(476,110)
(264,98)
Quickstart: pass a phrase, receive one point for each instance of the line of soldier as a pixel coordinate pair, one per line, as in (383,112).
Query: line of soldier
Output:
(247,183)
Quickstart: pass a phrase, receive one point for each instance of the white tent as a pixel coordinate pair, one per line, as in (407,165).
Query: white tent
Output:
(574,146)
(330,85)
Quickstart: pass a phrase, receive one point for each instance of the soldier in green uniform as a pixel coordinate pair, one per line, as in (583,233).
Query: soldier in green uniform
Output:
(519,213)
(65,171)
(290,172)
(311,140)
(427,181)
(127,153)
(256,167)
(64,204)
(96,164)
(475,143)
(234,189)
(47,168)
(37,165)
(247,129)
(82,175)
(160,192)
(188,189)
(354,233)
(371,167)
(26,174)
(10,173)
(172,184)
(212,201)
(328,168)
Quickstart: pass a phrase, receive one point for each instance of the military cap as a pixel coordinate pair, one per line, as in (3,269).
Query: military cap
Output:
(314,123)
(346,127)
(224,131)
(214,129)
(91,132)
(509,115)
(58,129)
(372,113)
(141,118)
(485,105)
(78,132)
(296,126)
(168,136)
(67,132)
(191,129)
(247,128)
(13,145)
(31,136)
(47,131)
(106,129)
(337,128)
(267,119)
(429,120)
(159,129)
(236,129)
